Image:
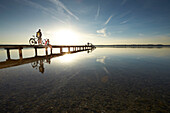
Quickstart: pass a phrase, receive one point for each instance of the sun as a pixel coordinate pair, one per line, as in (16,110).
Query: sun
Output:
(66,37)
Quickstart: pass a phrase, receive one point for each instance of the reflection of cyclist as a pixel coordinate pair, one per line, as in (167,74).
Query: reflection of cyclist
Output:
(48,60)
(39,35)
(41,67)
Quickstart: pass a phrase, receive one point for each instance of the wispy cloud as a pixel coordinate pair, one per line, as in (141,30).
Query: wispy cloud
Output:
(58,3)
(123,2)
(55,13)
(108,20)
(106,70)
(98,12)
(102,32)
(141,34)
(123,15)
(1,6)
(49,11)
(124,22)
(33,4)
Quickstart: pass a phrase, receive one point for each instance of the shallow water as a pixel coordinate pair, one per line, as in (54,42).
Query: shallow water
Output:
(106,80)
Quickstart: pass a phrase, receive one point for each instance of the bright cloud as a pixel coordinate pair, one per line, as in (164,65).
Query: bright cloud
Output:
(102,32)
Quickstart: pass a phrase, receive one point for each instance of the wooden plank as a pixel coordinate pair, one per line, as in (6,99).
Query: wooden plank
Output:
(39,46)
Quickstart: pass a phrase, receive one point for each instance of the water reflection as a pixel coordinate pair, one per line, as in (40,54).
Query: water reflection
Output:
(110,80)
(40,64)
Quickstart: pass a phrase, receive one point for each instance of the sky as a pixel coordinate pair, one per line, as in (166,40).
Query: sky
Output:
(77,22)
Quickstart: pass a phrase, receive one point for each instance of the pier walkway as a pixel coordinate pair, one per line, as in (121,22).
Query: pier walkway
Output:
(20,47)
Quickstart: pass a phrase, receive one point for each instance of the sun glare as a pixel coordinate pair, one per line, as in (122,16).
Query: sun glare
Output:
(67,58)
(66,37)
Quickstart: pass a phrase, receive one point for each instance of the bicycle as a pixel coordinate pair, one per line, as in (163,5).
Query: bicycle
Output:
(34,41)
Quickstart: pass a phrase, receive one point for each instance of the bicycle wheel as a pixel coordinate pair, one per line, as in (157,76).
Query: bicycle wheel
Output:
(32,41)
(43,41)
(34,64)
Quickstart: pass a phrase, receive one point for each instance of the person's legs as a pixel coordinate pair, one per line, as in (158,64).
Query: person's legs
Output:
(41,41)
(38,40)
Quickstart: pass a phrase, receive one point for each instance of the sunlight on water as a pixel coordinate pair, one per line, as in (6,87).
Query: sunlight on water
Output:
(71,58)
(67,58)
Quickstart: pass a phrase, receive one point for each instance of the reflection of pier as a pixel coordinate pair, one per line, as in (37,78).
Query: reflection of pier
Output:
(11,63)
(15,62)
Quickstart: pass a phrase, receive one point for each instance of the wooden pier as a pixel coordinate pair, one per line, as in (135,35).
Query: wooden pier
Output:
(15,62)
(20,47)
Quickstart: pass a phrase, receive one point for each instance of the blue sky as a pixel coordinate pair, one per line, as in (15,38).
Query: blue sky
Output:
(96,21)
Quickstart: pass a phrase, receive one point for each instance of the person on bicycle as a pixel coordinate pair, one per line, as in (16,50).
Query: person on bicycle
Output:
(39,35)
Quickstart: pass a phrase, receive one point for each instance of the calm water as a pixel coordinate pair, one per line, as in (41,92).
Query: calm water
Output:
(111,80)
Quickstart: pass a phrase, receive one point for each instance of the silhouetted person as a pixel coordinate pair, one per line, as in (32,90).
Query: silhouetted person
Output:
(88,44)
(41,67)
(39,35)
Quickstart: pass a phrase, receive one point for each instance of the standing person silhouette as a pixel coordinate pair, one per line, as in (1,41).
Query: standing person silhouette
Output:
(41,67)
(39,35)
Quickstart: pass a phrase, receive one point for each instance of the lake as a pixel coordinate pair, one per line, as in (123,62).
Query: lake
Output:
(106,80)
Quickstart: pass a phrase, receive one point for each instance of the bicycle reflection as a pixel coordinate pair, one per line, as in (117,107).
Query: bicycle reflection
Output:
(39,64)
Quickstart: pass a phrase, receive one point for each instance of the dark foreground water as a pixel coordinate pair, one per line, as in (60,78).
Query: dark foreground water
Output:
(111,80)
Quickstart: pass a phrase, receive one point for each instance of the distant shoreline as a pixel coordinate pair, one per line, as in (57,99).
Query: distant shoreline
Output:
(136,46)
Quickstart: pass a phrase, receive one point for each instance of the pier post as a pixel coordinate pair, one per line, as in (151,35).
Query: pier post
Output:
(35,51)
(51,51)
(61,50)
(20,53)
(46,50)
(69,49)
(8,54)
